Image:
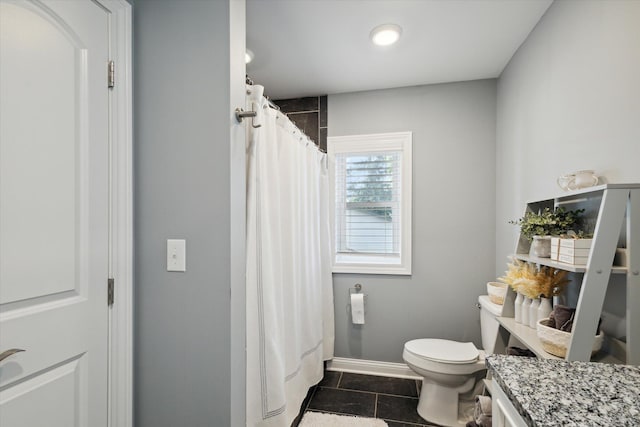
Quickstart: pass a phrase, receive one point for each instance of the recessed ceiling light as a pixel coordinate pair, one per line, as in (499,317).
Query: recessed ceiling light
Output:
(385,35)
(248,56)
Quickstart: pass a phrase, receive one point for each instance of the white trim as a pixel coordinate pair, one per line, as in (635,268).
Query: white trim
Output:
(372,367)
(120,406)
(367,143)
(237,209)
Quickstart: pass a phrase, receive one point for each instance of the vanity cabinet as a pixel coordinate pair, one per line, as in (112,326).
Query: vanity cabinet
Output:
(532,392)
(614,213)
(503,413)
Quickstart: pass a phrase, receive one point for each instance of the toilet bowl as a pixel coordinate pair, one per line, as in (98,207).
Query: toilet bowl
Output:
(450,368)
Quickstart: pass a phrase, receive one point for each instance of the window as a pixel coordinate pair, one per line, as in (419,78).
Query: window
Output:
(371,195)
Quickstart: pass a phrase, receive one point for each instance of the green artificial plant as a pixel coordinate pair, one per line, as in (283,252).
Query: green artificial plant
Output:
(548,222)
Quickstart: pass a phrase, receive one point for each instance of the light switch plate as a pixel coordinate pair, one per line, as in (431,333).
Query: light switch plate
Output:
(176,255)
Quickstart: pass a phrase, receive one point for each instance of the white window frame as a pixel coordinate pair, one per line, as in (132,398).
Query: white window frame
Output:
(374,263)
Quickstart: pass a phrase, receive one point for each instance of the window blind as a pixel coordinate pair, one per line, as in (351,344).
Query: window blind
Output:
(368,199)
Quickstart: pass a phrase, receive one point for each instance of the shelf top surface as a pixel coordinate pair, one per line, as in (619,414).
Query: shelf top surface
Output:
(584,191)
(529,337)
(575,268)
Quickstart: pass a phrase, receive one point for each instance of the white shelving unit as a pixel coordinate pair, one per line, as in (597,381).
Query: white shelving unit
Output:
(618,218)
(564,266)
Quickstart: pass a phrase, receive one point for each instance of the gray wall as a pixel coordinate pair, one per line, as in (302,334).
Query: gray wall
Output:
(183,321)
(453,129)
(568,100)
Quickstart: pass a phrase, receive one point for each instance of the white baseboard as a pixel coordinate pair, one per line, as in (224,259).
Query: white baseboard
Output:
(372,367)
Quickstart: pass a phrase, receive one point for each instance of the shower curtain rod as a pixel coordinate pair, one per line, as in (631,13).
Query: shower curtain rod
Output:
(242,114)
(273,105)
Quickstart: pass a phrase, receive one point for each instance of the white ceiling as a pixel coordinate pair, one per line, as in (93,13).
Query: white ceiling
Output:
(317,47)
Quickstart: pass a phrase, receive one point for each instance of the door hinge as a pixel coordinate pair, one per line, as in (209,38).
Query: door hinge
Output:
(111,74)
(110,291)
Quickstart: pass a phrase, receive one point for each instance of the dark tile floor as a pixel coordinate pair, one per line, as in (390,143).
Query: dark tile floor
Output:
(392,399)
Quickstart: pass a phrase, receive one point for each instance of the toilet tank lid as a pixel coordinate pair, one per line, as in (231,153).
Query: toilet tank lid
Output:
(491,307)
(444,351)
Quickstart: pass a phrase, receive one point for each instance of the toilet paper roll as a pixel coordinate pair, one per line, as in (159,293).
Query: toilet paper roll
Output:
(357,309)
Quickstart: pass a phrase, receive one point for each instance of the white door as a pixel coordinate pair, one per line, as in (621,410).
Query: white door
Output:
(54,223)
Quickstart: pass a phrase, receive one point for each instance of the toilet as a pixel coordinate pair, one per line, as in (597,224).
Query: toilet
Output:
(451,368)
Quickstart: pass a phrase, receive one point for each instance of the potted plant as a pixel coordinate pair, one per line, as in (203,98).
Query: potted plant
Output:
(539,227)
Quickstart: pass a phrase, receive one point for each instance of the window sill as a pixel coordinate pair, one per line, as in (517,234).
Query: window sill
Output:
(366,269)
(370,264)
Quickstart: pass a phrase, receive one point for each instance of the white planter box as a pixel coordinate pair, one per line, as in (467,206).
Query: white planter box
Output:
(581,252)
(576,243)
(573,251)
(572,259)
(555,248)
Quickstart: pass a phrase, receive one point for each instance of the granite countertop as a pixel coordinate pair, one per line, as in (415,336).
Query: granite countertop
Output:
(560,393)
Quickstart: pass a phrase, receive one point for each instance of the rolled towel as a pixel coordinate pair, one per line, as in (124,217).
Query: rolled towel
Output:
(485,421)
(563,317)
(482,409)
(516,351)
(483,405)
(482,413)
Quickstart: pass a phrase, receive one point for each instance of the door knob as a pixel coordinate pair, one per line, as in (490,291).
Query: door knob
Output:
(8,353)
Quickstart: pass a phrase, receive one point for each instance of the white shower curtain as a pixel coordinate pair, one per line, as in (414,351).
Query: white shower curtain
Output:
(290,326)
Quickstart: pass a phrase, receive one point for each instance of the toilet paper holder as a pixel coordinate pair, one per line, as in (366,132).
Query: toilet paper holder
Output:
(357,317)
(356,290)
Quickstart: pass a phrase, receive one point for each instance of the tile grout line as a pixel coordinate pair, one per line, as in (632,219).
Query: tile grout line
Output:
(358,391)
(397,395)
(402,396)
(306,408)
(348,414)
(407,423)
(375,407)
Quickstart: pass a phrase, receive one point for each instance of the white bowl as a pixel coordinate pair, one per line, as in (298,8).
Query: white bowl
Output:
(497,292)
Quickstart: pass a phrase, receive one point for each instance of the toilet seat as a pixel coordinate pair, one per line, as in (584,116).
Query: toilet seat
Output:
(427,355)
(443,351)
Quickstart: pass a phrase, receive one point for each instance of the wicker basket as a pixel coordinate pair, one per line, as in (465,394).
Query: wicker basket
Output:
(497,292)
(555,341)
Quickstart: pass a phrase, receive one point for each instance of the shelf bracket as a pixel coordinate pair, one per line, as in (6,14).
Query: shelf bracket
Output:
(633,278)
(596,279)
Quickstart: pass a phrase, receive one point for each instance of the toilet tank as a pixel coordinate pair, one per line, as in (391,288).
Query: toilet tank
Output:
(488,323)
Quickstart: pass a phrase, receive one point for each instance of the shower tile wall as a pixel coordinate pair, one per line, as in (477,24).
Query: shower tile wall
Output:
(310,115)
